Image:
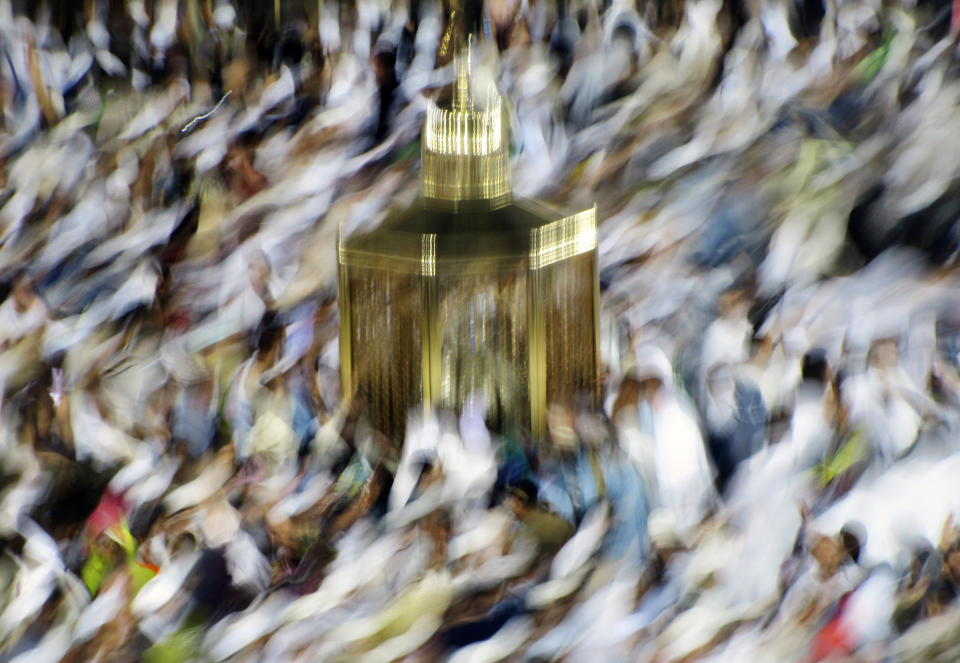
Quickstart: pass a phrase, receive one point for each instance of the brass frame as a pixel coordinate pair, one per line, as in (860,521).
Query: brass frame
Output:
(433,256)
(467,226)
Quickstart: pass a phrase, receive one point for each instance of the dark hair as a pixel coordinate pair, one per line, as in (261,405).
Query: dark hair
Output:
(7,284)
(853,536)
(815,366)
(525,490)
(269,332)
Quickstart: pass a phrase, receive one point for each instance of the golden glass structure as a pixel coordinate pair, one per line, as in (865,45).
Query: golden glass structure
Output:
(470,293)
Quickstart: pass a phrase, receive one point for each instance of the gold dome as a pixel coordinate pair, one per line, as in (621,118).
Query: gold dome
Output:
(464,146)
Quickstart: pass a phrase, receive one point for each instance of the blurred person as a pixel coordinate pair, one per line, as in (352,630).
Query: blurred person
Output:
(23,318)
(23,313)
(587,467)
(945,381)
(685,486)
(194,416)
(388,92)
(542,141)
(601,70)
(736,420)
(242,178)
(813,417)
(40,408)
(570,477)
(733,407)
(861,621)
(927,588)
(563,38)
(727,338)
(96,437)
(548,530)
(307,404)
(825,570)
(776,369)
(624,485)
(919,351)
(633,420)
(879,401)
(240,404)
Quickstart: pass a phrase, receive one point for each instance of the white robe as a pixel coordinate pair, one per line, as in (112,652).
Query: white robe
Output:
(684,476)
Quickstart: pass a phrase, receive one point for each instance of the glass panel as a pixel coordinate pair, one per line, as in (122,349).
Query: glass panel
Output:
(484,345)
(385,309)
(568,291)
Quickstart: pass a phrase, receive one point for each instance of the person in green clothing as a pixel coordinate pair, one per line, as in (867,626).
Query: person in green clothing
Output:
(548,530)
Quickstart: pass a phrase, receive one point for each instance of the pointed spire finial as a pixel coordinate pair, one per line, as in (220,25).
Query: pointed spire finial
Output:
(464,141)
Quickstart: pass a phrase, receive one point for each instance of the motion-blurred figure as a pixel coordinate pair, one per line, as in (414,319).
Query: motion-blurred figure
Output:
(685,488)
